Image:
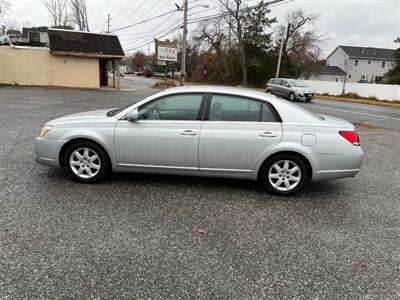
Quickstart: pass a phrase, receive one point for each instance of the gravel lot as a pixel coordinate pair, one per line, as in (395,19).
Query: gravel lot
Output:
(135,236)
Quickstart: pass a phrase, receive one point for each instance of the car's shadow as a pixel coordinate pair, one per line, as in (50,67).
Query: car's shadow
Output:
(118,181)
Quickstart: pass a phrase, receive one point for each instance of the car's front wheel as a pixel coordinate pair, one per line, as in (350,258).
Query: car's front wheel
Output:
(86,162)
(284,175)
(292,97)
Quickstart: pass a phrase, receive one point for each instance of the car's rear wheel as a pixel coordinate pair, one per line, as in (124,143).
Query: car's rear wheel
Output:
(284,175)
(292,97)
(86,162)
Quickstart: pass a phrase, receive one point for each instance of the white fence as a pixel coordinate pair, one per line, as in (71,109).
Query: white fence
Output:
(380,91)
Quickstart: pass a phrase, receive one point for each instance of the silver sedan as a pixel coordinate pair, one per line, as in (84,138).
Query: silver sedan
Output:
(205,131)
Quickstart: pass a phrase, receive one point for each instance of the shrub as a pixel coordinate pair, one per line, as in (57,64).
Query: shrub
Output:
(148,72)
(352,95)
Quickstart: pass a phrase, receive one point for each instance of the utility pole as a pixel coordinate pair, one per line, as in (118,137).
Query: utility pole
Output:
(283,41)
(278,68)
(108,23)
(183,60)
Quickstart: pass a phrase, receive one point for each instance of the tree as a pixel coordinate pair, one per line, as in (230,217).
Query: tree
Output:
(79,14)
(234,20)
(394,74)
(4,8)
(139,60)
(58,10)
(12,25)
(302,37)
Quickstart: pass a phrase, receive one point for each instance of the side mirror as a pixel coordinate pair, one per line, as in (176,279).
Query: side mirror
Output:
(133,115)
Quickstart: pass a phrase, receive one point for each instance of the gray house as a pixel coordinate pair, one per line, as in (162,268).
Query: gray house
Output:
(329,73)
(361,64)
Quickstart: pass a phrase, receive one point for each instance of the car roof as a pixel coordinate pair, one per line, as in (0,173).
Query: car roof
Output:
(239,91)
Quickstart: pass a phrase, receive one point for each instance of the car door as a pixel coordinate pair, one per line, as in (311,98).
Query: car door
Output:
(285,89)
(236,132)
(277,87)
(165,136)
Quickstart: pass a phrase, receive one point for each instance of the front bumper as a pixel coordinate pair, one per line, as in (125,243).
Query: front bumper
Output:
(306,96)
(48,150)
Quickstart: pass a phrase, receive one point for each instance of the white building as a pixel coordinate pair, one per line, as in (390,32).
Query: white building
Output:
(361,64)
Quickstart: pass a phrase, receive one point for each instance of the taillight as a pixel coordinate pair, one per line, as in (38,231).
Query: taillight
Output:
(351,136)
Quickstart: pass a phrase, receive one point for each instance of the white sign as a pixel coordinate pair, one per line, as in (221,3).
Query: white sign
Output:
(161,62)
(167,53)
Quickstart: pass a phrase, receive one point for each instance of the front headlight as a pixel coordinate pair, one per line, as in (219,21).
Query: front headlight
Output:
(45,130)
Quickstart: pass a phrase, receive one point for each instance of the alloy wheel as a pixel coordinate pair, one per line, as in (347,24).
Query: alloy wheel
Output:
(284,175)
(85,163)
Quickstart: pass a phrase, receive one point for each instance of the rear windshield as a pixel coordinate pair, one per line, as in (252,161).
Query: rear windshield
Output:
(307,111)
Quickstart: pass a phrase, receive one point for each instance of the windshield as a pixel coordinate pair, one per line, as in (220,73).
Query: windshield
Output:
(297,83)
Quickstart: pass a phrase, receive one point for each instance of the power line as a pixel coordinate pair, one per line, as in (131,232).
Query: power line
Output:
(145,21)
(272,3)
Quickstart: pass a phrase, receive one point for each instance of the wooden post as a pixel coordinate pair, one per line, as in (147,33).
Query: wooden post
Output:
(113,66)
(118,75)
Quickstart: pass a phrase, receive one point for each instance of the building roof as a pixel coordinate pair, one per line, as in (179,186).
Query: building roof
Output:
(84,43)
(331,70)
(367,52)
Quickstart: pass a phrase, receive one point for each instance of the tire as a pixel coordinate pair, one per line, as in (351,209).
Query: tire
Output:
(269,92)
(290,184)
(292,97)
(86,162)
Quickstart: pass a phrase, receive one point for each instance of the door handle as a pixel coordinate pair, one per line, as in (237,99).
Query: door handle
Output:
(267,134)
(188,132)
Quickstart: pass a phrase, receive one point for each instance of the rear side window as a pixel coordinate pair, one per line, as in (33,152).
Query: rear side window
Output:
(238,109)
(277,81)
(271,81)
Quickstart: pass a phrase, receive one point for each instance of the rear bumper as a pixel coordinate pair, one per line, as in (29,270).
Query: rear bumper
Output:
(47,151)
(338,166)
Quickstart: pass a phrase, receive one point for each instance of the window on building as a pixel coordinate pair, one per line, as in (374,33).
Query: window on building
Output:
(383,64)
(363,77)
(356,63)
(349,75)
(369,62)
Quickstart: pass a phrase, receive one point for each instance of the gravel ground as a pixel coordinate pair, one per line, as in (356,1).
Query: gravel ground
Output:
(135,236)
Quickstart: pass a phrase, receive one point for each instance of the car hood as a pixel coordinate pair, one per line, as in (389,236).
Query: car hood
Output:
(336,122)
(84,117)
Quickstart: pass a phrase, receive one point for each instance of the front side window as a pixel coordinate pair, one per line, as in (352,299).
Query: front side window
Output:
(175,107)
(285,83)
(237,109)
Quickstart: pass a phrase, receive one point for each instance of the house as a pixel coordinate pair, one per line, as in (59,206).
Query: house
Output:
(362,64)
(61,57)
(329,73)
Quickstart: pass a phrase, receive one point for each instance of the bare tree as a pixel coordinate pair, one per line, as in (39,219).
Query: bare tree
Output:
(58,11)
(234,20)
(4,7)
(12,24)
(302,40)
(79,14)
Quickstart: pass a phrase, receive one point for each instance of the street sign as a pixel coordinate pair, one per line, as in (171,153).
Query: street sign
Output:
(167,51)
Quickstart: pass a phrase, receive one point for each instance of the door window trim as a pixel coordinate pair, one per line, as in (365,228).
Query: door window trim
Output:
(206,115)
(200,114)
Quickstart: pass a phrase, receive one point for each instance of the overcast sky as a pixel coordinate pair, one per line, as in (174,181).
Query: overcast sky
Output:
(368,23)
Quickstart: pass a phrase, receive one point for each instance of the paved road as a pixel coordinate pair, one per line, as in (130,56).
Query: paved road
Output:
(135,237)
(357,113)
